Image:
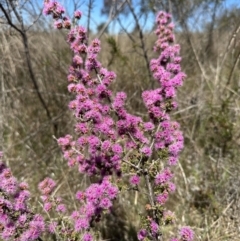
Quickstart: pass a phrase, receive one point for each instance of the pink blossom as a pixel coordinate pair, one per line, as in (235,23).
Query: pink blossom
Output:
(61,208)
(134,180)
(142,234)
(81,224)
(162,198)
(163,177)
(77,14)
(186,234)
(154,227)
(146,151)
(87,237)
(52,227)
(47,206)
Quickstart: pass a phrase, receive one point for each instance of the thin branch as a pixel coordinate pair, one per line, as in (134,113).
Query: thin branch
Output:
(90,6)
(19,18)
(196,55)
(38,17)
(233,69)
(9,20)
(231,40)
(111,16)
(231,76)
(125,30)
(140,32)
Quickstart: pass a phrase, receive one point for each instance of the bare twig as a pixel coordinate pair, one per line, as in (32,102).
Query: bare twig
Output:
(184,176)
(90,6)
(9,20)
(143,47)
(125,30)
(231,41)
(111,16)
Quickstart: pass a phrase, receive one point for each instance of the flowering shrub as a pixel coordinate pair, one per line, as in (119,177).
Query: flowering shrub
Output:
(108,141)
(17,221)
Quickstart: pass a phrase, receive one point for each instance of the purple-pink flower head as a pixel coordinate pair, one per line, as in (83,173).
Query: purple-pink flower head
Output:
(163,177)
(80,195)
(142,234)
(4,219)
(52,227)
(117,149)
(105,203)
(47,186)
(58,24)
(96,43)
(23,186)
(171,187)
(112,192)
(22,219)
(48,8)
(162,198)
(106,145)
(108,78)
(148,126)
(154,227)
(134,180)
(65,141)
(81,128)
(77,14)
(8,232)
(146,151)
(81,224)
(94,47)
(54,8)
(21,199)
(61,208)
(35,228)
(92,63)
(47,206)
(59,9)
(87,237)
(8,183)
(172,161)
(175,148)
(186,234)
(77,61)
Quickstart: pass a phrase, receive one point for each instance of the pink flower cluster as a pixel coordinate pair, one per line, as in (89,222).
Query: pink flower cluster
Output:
(97,198)
(186,234)
(105,133)
(168,139)
(56,10)
(95,150)
(46,188)
(16,219)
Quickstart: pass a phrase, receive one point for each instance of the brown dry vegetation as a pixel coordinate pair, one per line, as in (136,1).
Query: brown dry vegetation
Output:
(207,177)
